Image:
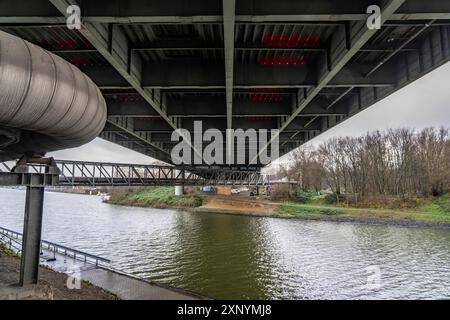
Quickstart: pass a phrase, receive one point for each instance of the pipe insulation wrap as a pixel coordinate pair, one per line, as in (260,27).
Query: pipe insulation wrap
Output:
(52,103)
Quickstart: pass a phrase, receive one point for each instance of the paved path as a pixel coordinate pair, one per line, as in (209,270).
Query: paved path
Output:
(124,286)
(129,288)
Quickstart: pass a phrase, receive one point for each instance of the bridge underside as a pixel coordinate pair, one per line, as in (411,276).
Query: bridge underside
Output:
(298,66)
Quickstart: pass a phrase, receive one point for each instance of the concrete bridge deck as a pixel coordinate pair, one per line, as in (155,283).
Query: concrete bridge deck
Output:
(299,66)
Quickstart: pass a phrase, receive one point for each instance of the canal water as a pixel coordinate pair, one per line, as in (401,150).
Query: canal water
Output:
(223,256)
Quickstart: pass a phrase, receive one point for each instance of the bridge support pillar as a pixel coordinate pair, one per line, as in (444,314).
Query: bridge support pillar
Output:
(31,241)
(179,190)
(45,173)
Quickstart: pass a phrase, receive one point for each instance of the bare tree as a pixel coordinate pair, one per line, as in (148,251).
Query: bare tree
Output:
(397,162)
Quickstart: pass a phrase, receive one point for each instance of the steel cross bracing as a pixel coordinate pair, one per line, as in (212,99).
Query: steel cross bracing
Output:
(80,173)
(163,64)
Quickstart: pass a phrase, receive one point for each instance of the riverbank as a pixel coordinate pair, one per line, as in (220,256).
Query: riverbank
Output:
(365,215)
(52,285)
(162,197)
(435,209)
(432,213)
(309,212)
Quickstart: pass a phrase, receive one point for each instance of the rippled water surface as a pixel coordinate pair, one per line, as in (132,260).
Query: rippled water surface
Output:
(225,256)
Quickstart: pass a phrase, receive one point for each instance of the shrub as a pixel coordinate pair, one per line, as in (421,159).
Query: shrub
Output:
(301,196)
(334,198)
(443,202)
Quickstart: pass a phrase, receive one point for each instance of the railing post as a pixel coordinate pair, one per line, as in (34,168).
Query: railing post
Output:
(31,240)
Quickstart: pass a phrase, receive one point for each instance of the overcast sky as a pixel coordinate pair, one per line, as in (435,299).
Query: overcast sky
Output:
(424,103)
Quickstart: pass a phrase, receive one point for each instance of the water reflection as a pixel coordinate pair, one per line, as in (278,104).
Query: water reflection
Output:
(225,256)
(244,257)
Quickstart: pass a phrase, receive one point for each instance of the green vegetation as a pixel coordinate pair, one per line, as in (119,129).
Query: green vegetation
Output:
(433,209)
(333,198)
(439,205)
(301,196)
(5,250)
(301,209)
(163,197)
(308,205)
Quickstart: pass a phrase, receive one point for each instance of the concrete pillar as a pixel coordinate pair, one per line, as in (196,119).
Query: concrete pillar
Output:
(179,190)
(31,241)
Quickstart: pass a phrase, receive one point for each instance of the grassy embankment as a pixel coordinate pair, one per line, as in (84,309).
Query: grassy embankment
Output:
(433,209)
(162,197)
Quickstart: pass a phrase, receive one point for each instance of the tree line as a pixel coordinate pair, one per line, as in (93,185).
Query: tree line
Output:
(396,162)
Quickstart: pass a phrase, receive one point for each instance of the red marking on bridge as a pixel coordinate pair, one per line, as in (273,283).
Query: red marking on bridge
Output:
(258,97)
(125,98)
(291,41)
(80,62)
(282,61)
(66,43)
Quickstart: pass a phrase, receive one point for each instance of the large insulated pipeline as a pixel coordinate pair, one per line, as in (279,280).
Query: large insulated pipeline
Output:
(46,103)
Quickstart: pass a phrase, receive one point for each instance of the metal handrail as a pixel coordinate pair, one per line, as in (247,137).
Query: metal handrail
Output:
(9,243)
(57,248)
(87,173)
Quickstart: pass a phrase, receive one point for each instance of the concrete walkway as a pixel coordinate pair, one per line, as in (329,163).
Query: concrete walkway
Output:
(129,288)
(124,286)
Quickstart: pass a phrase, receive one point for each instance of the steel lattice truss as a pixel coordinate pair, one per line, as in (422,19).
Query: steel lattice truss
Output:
(92,174)
(297,65)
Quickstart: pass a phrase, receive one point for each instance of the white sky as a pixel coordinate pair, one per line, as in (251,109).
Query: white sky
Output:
(424,103)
